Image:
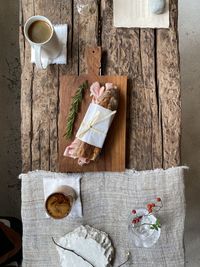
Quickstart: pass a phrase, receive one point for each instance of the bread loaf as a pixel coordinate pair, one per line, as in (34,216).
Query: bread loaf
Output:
(106,97)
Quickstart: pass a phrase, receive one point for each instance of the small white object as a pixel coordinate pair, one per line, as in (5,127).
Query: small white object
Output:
(84,6)
(51,184)
(138,14)
(157,6)
(95,125)
(61,32)
(90,243)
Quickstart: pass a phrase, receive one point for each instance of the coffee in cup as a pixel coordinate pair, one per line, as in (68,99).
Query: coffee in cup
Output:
(39,31)
(59,204)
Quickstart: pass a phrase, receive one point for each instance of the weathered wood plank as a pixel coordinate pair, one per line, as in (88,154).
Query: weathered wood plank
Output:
(44,100)
(40,89)
(27,9)
(87,31)
(40,108)
(149,69)
(131,52)
(137,52)
(169,89)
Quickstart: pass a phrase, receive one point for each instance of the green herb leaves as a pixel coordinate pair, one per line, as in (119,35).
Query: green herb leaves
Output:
(156,225)
(76,100)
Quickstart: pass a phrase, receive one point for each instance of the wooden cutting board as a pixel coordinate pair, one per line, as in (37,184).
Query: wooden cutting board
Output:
(112,156)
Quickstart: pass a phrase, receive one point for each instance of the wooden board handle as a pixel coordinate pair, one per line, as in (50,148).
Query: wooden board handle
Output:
(93,59)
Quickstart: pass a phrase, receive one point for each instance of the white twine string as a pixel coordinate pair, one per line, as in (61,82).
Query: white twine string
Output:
(95,120)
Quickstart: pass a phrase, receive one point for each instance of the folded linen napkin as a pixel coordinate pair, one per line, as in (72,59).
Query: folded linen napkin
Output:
(53,180)
(51,183)
(61,31)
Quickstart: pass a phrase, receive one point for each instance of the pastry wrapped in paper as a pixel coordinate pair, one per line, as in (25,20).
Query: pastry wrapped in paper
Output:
(104,99)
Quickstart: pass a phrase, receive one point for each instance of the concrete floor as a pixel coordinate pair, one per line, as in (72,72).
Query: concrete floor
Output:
(189,33)
(10,164)
(189,28)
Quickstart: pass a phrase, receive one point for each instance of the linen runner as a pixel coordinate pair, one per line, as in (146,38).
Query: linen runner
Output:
(107,200)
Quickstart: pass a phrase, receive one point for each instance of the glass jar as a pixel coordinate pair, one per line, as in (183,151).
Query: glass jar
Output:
(141,234)
(86,7)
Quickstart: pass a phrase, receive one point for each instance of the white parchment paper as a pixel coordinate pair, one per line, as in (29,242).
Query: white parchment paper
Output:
(94,127)
(137,14)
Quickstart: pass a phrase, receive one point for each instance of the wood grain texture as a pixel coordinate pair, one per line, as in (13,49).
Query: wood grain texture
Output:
(40,89)
(150,58)
(169,87)
(112,157)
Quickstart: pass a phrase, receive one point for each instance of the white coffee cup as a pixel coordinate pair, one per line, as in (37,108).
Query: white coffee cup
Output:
(46,50)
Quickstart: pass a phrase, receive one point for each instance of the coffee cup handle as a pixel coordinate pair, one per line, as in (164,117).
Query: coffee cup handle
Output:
(38,60)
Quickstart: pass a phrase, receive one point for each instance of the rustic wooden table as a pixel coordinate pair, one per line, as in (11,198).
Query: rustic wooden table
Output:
(150,59)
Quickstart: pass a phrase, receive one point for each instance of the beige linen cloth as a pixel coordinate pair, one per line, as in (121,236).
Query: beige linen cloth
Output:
(107,200)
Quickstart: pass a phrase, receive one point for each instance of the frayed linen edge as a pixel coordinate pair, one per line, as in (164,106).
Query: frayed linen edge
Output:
(73,175)
(134,171)
(127,171)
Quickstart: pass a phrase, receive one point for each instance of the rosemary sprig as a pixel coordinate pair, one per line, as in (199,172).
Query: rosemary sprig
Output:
(76,100)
